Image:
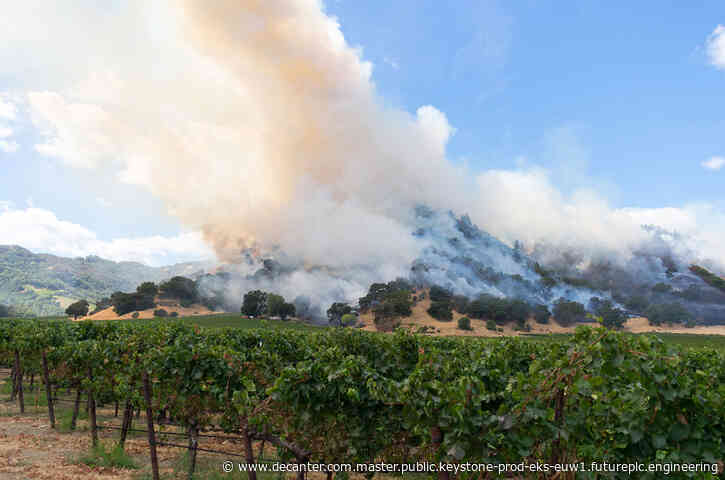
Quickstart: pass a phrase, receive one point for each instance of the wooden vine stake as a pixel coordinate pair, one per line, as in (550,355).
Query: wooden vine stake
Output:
(436,438)
(92,412)
(76,410)
(150,426)
(14,379)
(19,381)
(48,391)
(126,423)
(193,445)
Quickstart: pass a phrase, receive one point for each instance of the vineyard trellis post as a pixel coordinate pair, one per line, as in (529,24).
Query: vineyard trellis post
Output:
(559,403)
(76,409)
(126,423)
(150,426)
(436,438)
(19,381)
(92,411)
(248,452)
(193,444)
(14,381)
(48,390)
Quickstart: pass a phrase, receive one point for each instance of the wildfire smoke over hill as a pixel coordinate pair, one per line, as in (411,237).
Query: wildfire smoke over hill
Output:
(260,126)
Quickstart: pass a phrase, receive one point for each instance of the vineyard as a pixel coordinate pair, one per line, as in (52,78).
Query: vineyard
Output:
(338,395)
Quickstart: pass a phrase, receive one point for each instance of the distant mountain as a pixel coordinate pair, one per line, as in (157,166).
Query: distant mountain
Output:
(42,284)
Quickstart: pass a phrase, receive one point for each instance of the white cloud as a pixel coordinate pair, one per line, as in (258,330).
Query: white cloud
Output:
(714,163)
(715,47)
(40,230)
(7,108)
(76,133)
(8,111)
(9,146)
(103,202)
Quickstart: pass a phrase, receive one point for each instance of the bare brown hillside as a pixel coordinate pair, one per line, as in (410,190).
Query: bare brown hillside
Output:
(169,306)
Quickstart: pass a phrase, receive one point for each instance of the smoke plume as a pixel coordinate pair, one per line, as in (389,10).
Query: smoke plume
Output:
(260,126)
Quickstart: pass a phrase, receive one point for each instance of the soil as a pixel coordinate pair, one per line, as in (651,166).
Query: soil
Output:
(30,449)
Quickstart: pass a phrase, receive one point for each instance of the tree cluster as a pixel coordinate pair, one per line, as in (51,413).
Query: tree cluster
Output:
(388,301)
(441,304)
(337,311)
(568,312)
(391,292)
(500,310)
(609,315)
(124,303)
(257,303)
(667,313)
(182,288)
(77,309)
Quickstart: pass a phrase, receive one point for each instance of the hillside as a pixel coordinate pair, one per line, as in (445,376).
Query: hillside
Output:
(420,321)
(42,284)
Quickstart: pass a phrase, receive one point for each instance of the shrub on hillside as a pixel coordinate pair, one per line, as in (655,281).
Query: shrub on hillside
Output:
(441,310)
(174,314)
(380,292)
(254,303)
(637,303)
(147,288)
(77,309)
(439,294)
(180,287)
(567,313)
(542,314)
(611,316)
(124,303)
(396,296)
(464,323)
(501,310)
(160,313)
(460,303)
(278,307)
(336,311)
(667,313)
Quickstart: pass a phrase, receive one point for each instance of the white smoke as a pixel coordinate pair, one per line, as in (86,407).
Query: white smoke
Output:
(259,126)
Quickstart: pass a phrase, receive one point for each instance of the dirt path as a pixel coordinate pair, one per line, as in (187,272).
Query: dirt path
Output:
(30,449)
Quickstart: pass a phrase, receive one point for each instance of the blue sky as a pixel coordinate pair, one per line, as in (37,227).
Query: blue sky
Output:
(625,87)
(621,97)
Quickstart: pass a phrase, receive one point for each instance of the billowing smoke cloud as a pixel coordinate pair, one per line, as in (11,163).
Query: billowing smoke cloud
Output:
(259,126)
